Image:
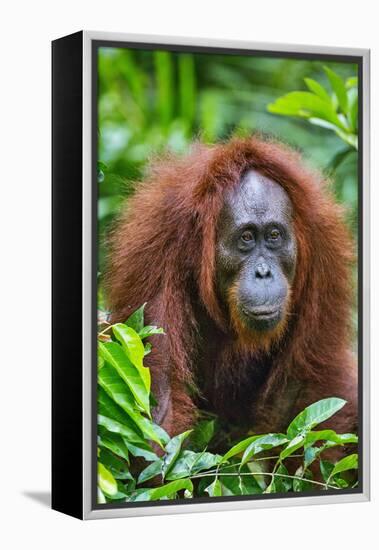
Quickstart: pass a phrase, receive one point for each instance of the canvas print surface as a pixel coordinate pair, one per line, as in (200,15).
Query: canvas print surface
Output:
(228,314)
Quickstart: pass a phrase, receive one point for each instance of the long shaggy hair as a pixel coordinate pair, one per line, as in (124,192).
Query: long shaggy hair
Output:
(162,251)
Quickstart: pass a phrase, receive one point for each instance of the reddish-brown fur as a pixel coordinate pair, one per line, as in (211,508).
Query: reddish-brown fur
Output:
(162,251)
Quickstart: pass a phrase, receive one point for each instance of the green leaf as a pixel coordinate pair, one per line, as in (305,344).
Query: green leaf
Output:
(310,455)
(149,330)
(258,471)
(349,462)
(281,484)
(119,392)
(117,466)
(189,463)
(317,89)
(136,320)
(173,448)
(239,484)
(263,443)
(202,434)
(168,490)
(313,415)
(339,89)
(305,105)
(293,445)
(106,481)
(329,436)
(154,469)
(302,484)
(134,349)
(113,442)
(239,448)
(214,489)
(117,428)
(141,449)
(114,354)
(326,469)
(107,407)
(163,436)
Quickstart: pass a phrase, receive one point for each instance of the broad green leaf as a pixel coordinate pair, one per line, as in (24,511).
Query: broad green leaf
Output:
(314,414)
(106,481)
(281,484)
(120,496)
(324,124)
(152,470)
(263,443)
(258,471)
(116,466)
(329,436)
(202,434)
(310,455)
(149,330)
(114,354)
(239,484)
(134,349)
(142,449)
(326,469)
(317,89)
(168,490)
(163,436)
(113,442)
(305,105)
(107,407)
(239,448)
(339,89)
(136,320)
(117,428)
(214,489)
(189,463)
(293,445)
(349,462)
(173,448)
(119,392)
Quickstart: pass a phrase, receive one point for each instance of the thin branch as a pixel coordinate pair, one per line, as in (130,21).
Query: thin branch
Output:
(104,331)
(266,473)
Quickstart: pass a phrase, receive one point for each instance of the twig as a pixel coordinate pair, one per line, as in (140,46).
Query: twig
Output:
(272,474)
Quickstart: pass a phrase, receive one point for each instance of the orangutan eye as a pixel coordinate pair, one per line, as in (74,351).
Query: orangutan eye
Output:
(247,236)
(274,234)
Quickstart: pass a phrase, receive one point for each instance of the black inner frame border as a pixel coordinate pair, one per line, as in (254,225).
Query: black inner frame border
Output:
(338,58)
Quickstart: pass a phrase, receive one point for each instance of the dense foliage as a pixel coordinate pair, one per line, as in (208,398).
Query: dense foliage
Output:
(182,466)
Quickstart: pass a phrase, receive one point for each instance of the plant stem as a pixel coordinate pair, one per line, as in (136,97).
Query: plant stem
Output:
(272,474)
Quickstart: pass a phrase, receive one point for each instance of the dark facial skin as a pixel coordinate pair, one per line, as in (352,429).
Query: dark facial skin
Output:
(256,250)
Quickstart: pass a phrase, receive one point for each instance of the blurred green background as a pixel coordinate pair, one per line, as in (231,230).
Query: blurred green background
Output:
(149,101)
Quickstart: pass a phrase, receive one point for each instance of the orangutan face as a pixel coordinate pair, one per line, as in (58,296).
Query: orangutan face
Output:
(256,253)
